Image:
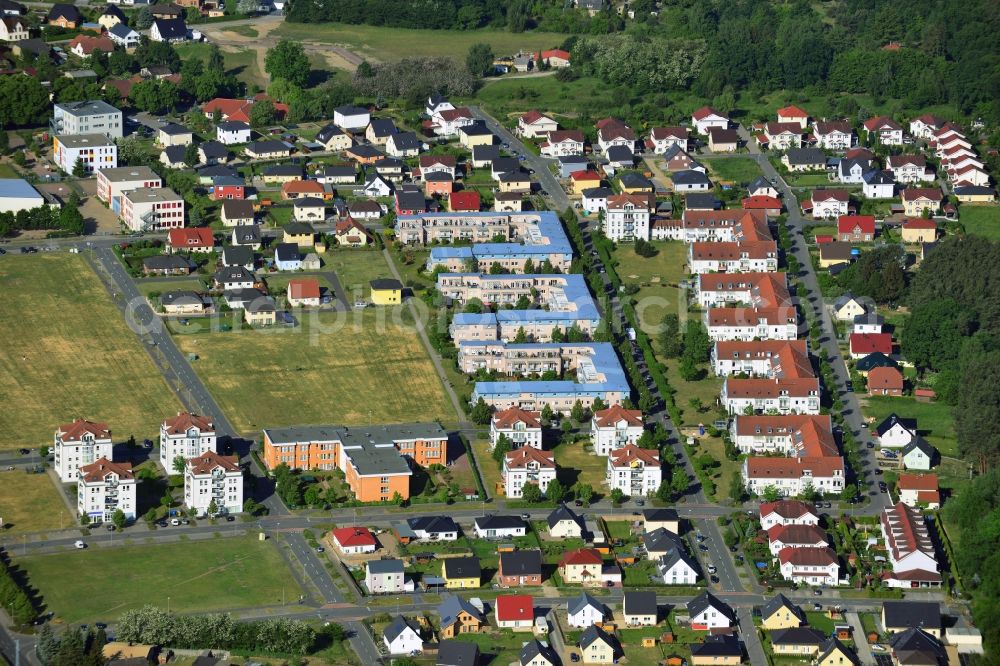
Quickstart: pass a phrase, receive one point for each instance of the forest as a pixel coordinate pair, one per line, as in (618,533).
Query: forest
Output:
(939,52)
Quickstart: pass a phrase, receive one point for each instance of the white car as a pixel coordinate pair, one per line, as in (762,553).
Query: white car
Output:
(712,569)
(79,544)
(175,522)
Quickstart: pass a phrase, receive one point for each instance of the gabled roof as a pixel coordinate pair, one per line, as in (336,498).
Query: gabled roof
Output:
(832,645)
(593,633)
(575,605)
(918,644)
(912,614)
(705,112)
(797,636)
(101,468)
(514,608)
(385,566)
(209,461)
(462,567)
(433,524)
(581,556)
(778,602)
(75,431)
(792,111)
(563,512)
(513,415)
(171,28)
(608,418)
(521,563)
(398,626)
(893,420)
(184,421)
(803,535)
(452,606)
(534,649)
(813,557)
(885,377)
(698,605)
(918,443)
(499,522)
(847,223)
(639,603)
(715,646)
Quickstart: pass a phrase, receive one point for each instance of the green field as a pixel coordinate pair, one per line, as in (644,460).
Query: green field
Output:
(7,171)
(807,179)
(355,269)
(740,170)
(68,354)
(657,278)
(981,220)
(242,64)
(579,466)
(362,367)
(934,419)
(376,43)
(31,503)
(199,576)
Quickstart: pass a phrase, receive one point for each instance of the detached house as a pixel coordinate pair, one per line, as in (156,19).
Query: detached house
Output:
(833,135)
(916,200)
(661,139)
(585,611)
(827,204)
(707,613)
(402,637)
(168,30)
(516,612)
(534,125)
(354,540)
(458,616)
(885,130)
(386,577)
(640,609)
(706,117)
(878,185)
(563,522)
(856,228)
(581,566)
(809,566)
(520,568)
(231,132)
(13,29)
(599,647)
(461,572)
(103,488)
(780,613)
(520,427)
(563,143)
(499,527)
(910,168)
(781,136)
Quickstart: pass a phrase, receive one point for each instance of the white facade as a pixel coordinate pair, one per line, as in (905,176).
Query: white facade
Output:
(778,330)
(153,209)
(678,573)
(626,220)
(518,432)
(407,642)
(351,118)
(585,616)
(517,475)
(828,208)
(710,618)
(608,437)
(809,573)
(784,399)
(187,436)
(390,581)
(78,444)
(93,117)
(232,132)
(211,477)
(634,476)
(103,488)
(95,151)
(774,519)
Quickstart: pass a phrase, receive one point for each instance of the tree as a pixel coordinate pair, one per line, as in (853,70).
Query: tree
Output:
(131,151)
(47,645)
(644,248)
(144,18)
(313,495)
(670,341)
(178,464)
(697,344)
(247,7)
(663,492)
(557,335)
(737,491)
(474,306)
(556,491)
(262,114)
(598,405)
(496,268)
(70,218)
(287,60)
(118,518)
(521,337)
(501,448)
(575,334)
(191,157)
(689,369)
(481,413)
(584,493)
(80,168)
(546,414)
(479,59)
(770,493)
(617,496)
(578,413)
(531,493)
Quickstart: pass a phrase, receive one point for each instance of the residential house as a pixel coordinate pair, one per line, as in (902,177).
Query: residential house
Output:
(804,159)
(301,234)
(354,540)
(520,568)
(184,302)
(351,118)
(627,217)
(919,490)
(723,140)
(379,130)
(269,149)
(918,230)
(13,29)
(556,58)
(302,188)
(213,484)
(172,157)
(213,152)
(287,257)
(640,609)
(475,134)
(526,465)
(110,17)
(595,199)
(411,203)
(351,233)
(334,139)
(878,185)
(916,200)
(167,265)
(581,566)
(536,653)
(237,213)
(827,204)
(900,616)
(675,567)
(386,577)
(403,144)
(613,132)
(446,122)
(708,613)
(834,653)
(103,488)
(520,427)
(885,380)
(64,16)
(676,159)
(833,135)
(919,455)
(457,653)
(895,432)
(88,117)
(247,235)
(461,572)
(434,528)
(303,292)
(797,642)
(168,30)
(856,228)
(337,175)
(787,512)
(847,306)
(309,209)
(585,611)
(564,143)
(706,118)
(402,637)
(614,428)
(634,471)
(762,187)
(231,132)
(795,536)
(780,613)
(260,311)
(915,647)
(281,174)
(691,181)
(386,291)
(910,168)
(654,519)
(492,526)
(974,194)
(535,125)
(851,170)
(662,139)
(598,646)
(466,201)
(459,616)
(885,130)
(835,253)
(781,136)
(862,344)
(717,650)
(185,436)
(809,566)
(515,612)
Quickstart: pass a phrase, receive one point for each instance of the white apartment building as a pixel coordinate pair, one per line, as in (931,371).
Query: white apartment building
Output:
(91,117)
(733,257)
(615,428)
(809,566)
(627,217)
(212,477)
(634,471)
(113,183)
(152,210)
(748,324)
(521,427)
(104,487)
(765,395)
(95,151)
(80,443)
(185,435)
(527,465)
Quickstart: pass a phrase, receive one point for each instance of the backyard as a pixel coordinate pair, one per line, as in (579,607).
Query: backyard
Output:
(982,220)
(579,466)
(31,503)
(934,419)
(363,367)
(657,278)
(355,269)
(738,170)
(68,354)
(200,576)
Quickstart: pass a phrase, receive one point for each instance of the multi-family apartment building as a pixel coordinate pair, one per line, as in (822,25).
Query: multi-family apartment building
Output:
(93,151)
(800,395)
(527,465)
(520,427)
(187,436)
(373,458)
(758,358)
(627,217)
(77,444)
(752,323)
(90,117)
(113,183)
(152,209)
(104,487)
(733,257)
(210,478)
(615,428)
(634,471)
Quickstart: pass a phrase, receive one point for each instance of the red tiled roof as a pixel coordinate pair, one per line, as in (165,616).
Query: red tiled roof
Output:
(515,607)
(582,556)
(303,288)
(207,462)
(455,114)
(732,251)
(184,421)
(669,133)
(914,193)
(885,378)
(512,415)
(792,111)
(759,467)
(553,53)
(99,469)
(880,123)
(787,508)
(349,537)
(773,128)
(761,202)
(607,418)
(190,237)
(847,223)
(896,161)
(533,116)
(565,135)
(626,455)
(796,534)
(75,431)
(523,456)
(815,557)
(239,109)
(917,482)
(831,195)
(302,187)
(466,200)
(90,44)
(433,160)
(585,174)
(869,343)
(705,112)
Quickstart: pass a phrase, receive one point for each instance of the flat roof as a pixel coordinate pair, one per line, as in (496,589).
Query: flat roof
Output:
(19,188)
(94,107)
(84,140)
(153,195)
(125,174)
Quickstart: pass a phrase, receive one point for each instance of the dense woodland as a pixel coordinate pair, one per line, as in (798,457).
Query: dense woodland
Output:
(948,51)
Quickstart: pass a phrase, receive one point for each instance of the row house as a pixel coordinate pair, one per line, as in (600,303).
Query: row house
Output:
(733,257)
(757,358)
(786,512)
(909,548)
(634,471)
(527,465)
(213,484)
(780,537)
(104,487)
(186,436)
(751,323)
(786,396)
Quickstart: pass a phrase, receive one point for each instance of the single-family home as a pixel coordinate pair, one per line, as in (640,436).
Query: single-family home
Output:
(834,253)
(899,616)
(706,117)
(520,568)
(386,291)
(895,432)
(386,577)
(640,609)
(535,125)
(563,143)
(171,30)
(351,233)
(184,302)
(919,230)
(708,613)
(835,653)
(351,118)
(851,170)
(916,200)
(780,613)
(466,201)
(974,194)
(787,512)
(309,209)
(475,134)
(232,132)
(287,257)
(856,228)
(919,455)
(354,540)
(515,612)
(402,637)
(459,616)
(717,650)
(301,234)
(847,306)
(303,292)
(804,159)
(492,526)
(723,140)
(281,173)
(827,204)
(457,653)
(654,519)
(781,136)
(434,528)
(885,130)
(237,212)
(377,186)
(809,566)
(885,380)
(333,138)
(64,16)
(878,184)
(581,566)
(598,646)
(585,611)
(564,523)
(690,181)
(676,567)
(260,311)
(124,36)
(167,265)
(269,149)
(919,490)
(762,187)
(862,344)
(833,135)
(662,139)
(537,653)
(403,144)
(461,572)
(800,642)
(584,180)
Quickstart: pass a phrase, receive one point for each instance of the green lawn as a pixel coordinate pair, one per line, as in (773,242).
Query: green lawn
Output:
(706,390)
(362,367)
(31,503)
(820,621)
(724,471)
(377,43)
(512,95)
(163,286)
(657,278)
(579,466)
(355,269)
(7,171)
(243,63)
(488,467)
(200,576)
(981,220)
(934,419)
(504,644)
(67,353)
(739,170)
(807,179)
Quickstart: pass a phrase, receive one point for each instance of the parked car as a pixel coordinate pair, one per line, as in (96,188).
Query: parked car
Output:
(79,544)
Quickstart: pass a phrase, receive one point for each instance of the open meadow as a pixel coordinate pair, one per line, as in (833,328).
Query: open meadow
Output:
(68,354)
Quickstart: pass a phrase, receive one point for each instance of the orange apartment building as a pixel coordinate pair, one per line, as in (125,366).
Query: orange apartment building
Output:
(374,458)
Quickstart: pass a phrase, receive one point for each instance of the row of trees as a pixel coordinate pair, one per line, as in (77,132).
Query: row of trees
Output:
(73,647)
(67,220)
(694,349)
(14,598)
(414,79)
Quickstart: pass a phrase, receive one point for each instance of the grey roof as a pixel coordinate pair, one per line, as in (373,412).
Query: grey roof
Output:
(214,150)
(457,653)
(598,192)
(173,28)
(166,262)
(725,645)
(632,179)
(451,606)
(563,512)
(639,603)
(797,636)
(832,644)
(702,200)
(299,228)
(920,614)
(183,296)
(804,156)
(620,154)
(175,154)
(433,524)
(248,234)
(328,132)
(847,164)
(659,515)
(233,126)
(237,256)
(572,159)
(892,420)
(921,444)
(385,566)
(406,141)
(308,202)
(495,522)
(216,170)
(385,283)
(262,303)
(18,188)
(121,30)
(338,171)
(268,146)
(704,600)
(230,181)
(690,177)
(173,129)
(85,140)
(389,163)
(875,360)
(398,626)
(974,189)
(535,648)
(660,540)
(364,150)
(410,201)
(514,176)
(915,640)
(593,633)
(283,170)
(778,602)
(93,107)
(758,183)
(287,252)
(846,298)
(477,128)
(877,177)
(869,318)
(350,110)
(462,567)
(521,563)
(504,164)
(230,274)
(9,6)
(577,604)
(373,178)
(241,297)
(382,126)
(490,152)
(672,556)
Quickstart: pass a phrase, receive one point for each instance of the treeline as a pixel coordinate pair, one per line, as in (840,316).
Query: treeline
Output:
(641,64)
(15,599)
(154,626)
(413,79)
(432,14)
(68,220)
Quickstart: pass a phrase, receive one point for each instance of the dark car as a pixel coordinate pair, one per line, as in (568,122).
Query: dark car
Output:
(161,523)
(579,502)
(703,547)
(230,519)
(870,445)
(24,452)
(817,592)
(715,579)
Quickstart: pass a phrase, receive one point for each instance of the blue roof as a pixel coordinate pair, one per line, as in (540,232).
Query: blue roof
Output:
(605,361)
(549,228)
(18,187)
(443,253)
(472,319)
